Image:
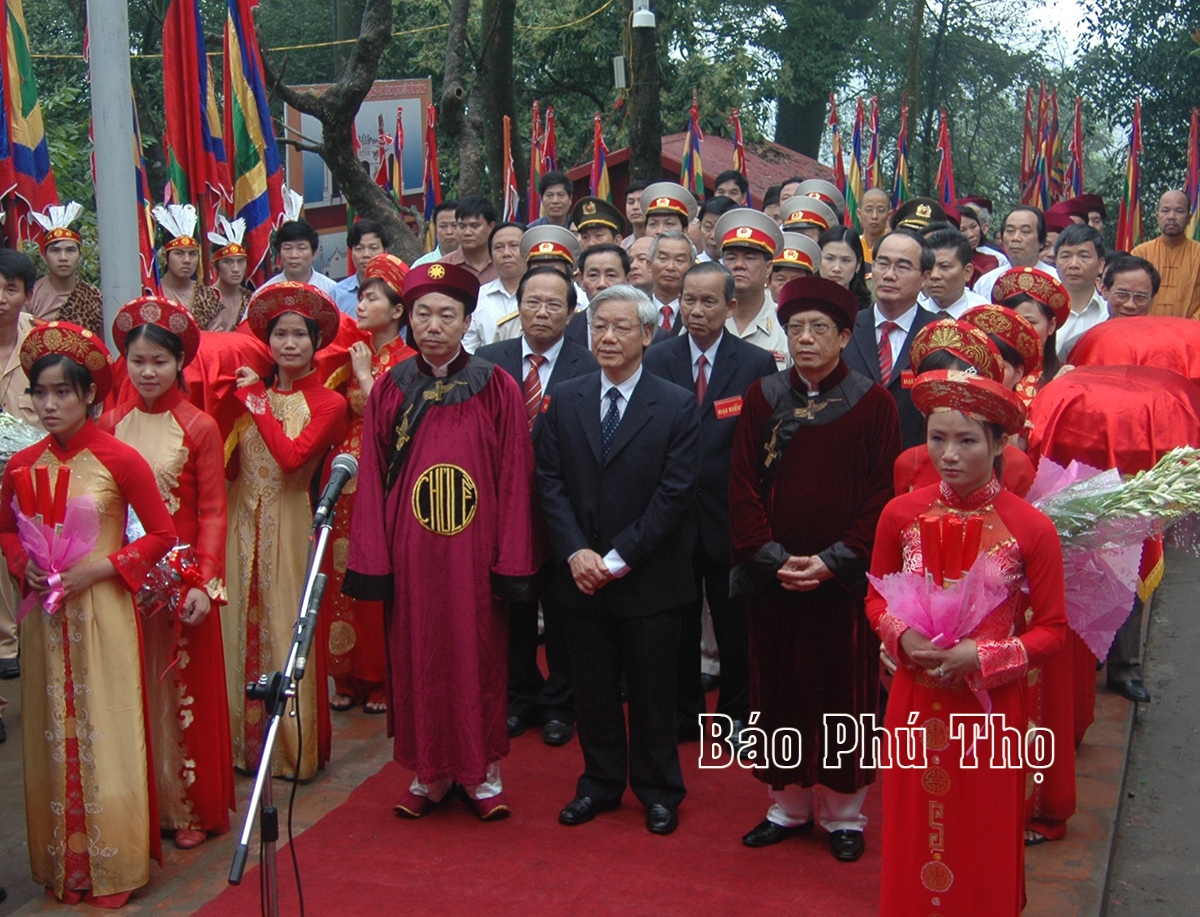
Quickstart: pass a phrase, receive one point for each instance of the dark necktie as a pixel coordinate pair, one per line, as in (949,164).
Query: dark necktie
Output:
(533,388)
(701,378)
(608,427)
(885,352)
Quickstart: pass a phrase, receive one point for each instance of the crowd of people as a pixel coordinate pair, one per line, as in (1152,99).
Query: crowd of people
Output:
(679,445)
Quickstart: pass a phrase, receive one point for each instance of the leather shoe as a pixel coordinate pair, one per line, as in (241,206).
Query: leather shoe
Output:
(1131,688)
(662,819)
(10,668)
(709,682)
(556,733)
(766,833)
(583,809)
(516,726)
(846,845)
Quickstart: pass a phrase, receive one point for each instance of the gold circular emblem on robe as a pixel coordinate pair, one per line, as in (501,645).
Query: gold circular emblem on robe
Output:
(444,499)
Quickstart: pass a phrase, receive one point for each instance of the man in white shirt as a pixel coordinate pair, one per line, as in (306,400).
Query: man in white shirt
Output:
(1023,233)
(1079,256)
(710,212)
(366,239)
(497,298)
(445,228)
(296,246)
(671,254)
(946,294)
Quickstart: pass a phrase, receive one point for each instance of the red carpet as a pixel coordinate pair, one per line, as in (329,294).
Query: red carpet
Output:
(361,859)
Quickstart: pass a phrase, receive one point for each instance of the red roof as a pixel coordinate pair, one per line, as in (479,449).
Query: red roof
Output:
(767,164)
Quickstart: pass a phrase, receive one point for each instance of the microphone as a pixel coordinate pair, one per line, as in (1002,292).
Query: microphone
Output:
(343,468)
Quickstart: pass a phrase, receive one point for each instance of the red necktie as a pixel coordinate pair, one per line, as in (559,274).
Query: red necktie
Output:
(533,388)
(885,352)
(701,378)
(667,315)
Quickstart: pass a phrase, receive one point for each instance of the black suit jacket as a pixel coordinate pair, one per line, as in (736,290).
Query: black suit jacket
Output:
(737,364)
(577,331)
(634,500)
(572,361)
(862,356)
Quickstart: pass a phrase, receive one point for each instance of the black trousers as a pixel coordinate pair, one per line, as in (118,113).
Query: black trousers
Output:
(530,696)
(601,644)
(1126,649)
(732,629)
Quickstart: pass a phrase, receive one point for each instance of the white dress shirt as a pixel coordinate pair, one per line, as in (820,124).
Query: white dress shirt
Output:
(1078,324)
(493,304)
(710,355)
(318,280)
(984,285)
(549,358)
(659,305)
(896,336)
(969,300)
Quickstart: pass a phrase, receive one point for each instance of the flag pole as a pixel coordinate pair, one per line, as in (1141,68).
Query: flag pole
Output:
(116,191)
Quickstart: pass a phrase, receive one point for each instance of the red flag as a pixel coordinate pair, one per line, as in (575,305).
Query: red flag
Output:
(1074,180)
(739,150)
(839,165)
(534,201)
(383,177)
(398,158)
(874,174)
(431,181)
(550,157)
(1027,145)
(1192,186)
(1129,216)
(598,185)
(512,196)
(944,182)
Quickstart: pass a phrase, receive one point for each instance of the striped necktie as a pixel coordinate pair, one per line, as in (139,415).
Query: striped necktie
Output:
(533,388)
(885,352)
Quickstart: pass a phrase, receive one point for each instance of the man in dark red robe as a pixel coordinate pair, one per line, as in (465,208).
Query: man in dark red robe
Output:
(445,534)
(811,472)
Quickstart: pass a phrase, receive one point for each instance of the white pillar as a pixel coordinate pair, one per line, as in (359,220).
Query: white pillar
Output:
(112,125)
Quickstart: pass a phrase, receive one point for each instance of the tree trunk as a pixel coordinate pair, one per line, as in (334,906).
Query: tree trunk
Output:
(645,107)
(913,83)
(458,119)
(928,164)
(336,109)
(494,72)
(800,127)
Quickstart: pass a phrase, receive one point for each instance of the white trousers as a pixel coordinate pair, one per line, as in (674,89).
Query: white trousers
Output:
(437,790)
(837,811)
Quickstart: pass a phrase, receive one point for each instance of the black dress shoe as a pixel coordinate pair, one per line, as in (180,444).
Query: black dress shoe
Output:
(583,809)
(708,682)
(846,845)
(516,726)
(1131,688)
(10,668)
(556,733)
(766,833)
(662,819)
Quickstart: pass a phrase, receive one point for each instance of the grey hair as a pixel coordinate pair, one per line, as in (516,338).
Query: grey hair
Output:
(672,235)
(624,292)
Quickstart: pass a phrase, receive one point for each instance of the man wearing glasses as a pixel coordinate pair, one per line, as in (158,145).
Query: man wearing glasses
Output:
(540,360)
(618,459)
(883,334)
(1129,286)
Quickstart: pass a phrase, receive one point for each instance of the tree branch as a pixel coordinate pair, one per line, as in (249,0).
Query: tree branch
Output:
(307,102)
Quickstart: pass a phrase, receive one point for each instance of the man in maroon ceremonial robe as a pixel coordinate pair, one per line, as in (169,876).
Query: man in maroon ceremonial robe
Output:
(445,534)
(811,472)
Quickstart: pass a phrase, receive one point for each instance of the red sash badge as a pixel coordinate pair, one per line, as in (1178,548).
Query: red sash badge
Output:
(728,407)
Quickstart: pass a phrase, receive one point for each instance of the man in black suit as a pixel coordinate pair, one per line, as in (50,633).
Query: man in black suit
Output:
(671,254)
(884,333)
(719,368)
(617,467)
(538,361)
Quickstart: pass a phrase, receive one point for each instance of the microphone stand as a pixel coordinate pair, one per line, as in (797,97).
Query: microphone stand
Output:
(275,689)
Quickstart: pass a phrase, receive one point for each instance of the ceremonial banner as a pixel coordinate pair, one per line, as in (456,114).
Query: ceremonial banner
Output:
(196,165)
(835,140)
(397,179)
(255,164)
(1028,148)
(512,196)
(1192,185)
(944,182)
(1073,185)
(854,184)
(25,171)
(431,181)
(146,253)
(534,200)
(873,173)
(383,175)
(1129,216)
(900,185)
(598,185)
(739,149)
(550,158)
(691,172)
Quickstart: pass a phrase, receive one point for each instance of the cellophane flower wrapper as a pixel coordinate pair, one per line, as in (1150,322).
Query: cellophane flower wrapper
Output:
(1100,588)
(945,614)
(57,548)
(16,435)
(166,585)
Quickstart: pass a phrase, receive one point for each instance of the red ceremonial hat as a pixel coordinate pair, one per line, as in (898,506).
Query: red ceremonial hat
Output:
(181,242)
(964,341)
(974,201)
(1037,285)
(447,279)
(1090,203)
(390,269)
(1011,328)
(72,341)
(229,251)
(816,293)
(1057,222)
(273,300)
(160,311)
(979,398)
(1068,208)
(953,215)
(60,234)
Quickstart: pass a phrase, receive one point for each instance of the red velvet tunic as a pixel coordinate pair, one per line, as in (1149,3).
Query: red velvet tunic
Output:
(352,630)
(90,807)
(185,665)
(812,653)
(953,836)
(914,470)
(447,634)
